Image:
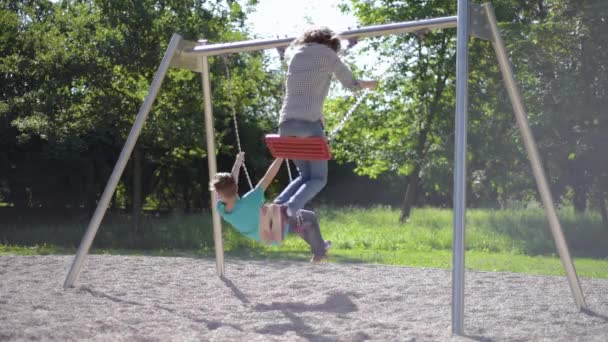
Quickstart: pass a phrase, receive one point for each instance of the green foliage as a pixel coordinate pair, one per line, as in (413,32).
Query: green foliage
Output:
(74,74)
(557,49)
(405,128)
(403,124)
(554,47)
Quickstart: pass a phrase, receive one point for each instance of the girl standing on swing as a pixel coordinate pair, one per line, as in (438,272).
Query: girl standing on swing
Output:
(314,62)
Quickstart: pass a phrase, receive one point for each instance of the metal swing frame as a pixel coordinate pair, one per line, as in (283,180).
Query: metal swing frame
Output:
(477,20)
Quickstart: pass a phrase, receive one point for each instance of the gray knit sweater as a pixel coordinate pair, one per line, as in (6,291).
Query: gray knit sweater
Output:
(308,77)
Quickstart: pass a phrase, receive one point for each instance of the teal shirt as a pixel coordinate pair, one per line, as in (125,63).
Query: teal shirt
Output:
(245,215)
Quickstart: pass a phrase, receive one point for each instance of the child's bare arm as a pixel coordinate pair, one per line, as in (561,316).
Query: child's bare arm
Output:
(236,168)
(270,174)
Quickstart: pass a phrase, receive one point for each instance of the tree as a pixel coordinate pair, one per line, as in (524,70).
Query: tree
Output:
(565,51)
(557,48)
(404,129)
(74,76)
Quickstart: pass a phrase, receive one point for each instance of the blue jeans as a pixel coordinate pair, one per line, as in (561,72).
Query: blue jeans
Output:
(312,173)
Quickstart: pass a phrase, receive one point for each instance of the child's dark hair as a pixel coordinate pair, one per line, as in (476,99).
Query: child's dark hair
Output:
(320,35)
(224,183)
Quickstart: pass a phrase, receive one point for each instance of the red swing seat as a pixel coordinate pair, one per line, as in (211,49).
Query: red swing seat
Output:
(303,148)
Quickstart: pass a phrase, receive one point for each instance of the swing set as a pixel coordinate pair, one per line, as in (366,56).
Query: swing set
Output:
(471,19)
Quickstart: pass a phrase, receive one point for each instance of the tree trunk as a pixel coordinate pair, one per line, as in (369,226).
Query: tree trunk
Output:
(424,129)
(113,202)
(410,195)
(19,195)
(187,198)
(137,200)
(579,200)
(603,211)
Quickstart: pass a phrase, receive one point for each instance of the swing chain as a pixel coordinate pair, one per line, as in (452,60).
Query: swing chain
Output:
(233,110)
(348,114)
(288,170)
(362,97)
(281,50)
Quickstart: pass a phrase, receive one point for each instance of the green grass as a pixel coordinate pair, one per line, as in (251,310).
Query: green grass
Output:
(506,240)
(501,240)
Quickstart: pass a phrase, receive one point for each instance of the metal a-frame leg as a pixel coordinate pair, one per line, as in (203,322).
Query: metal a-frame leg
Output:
(203,66)
(487,28)
(460,163)
(200,64)
(125,154)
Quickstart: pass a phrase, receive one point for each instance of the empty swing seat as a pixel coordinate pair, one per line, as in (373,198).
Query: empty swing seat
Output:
(303,148)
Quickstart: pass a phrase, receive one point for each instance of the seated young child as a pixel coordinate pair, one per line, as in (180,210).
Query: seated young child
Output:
(244,212)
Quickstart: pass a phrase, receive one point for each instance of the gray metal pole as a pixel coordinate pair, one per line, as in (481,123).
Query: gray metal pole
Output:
(369,31)
(104,201)
(211,161)
(458,244)
(533,156)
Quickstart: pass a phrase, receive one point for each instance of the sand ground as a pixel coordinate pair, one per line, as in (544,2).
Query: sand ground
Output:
(140,298)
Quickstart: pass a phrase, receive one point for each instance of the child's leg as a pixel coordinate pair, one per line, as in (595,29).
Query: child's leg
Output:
(264,224)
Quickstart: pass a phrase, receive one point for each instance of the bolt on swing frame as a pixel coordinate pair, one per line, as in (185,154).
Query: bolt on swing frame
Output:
(477,20)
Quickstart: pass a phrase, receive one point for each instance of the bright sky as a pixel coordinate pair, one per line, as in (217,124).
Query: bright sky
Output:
(291,17)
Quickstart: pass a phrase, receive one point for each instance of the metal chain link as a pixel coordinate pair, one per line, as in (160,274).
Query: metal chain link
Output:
(281,51)
(420,35)
(330,137)
(350,112)
(233,109)
(362,97)
(288,170)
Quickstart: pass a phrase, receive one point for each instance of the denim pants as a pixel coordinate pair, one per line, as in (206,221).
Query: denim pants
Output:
(312,173)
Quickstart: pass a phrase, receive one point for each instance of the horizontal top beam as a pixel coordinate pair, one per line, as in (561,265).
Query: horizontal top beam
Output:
(368,31)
